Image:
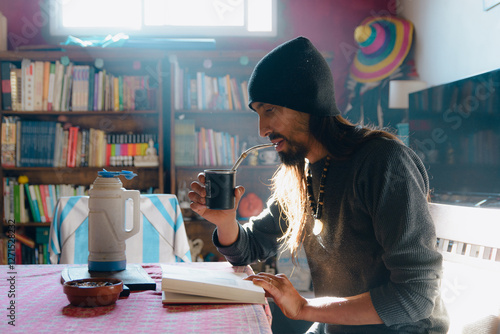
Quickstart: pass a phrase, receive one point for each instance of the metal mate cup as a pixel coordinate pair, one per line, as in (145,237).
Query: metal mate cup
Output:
(220,185)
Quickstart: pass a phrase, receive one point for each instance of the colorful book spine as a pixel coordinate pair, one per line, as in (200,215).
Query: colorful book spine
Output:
(6,85)
(72,146)
(17,202)
(38,82)
(30,194)
(46,83)
(22,204)
(16,89)
(41,209)
(8,142)
(50,92)
(28,89)
(58,81)
(43,191)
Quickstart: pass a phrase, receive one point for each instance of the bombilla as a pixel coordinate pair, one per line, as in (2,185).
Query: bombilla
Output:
(244,154)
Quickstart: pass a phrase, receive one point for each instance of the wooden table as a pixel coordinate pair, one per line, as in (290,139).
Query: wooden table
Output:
(37,304)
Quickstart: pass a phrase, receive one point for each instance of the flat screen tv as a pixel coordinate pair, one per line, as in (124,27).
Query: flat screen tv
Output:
(455,129)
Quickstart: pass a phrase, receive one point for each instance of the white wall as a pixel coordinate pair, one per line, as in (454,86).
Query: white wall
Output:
(454,39)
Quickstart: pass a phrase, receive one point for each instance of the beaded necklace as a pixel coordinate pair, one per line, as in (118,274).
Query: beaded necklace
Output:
(317,210)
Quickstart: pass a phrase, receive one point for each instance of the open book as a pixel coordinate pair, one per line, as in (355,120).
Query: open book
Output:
(194,285)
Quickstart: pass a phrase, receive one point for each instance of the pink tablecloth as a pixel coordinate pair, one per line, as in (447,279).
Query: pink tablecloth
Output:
(42,307)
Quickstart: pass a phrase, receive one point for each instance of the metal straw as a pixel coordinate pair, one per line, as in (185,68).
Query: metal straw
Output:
(244,154)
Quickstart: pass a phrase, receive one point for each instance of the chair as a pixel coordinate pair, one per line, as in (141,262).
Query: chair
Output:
(469,239)
(162,237)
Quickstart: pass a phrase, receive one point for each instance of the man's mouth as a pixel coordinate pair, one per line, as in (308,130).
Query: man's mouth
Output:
(278,144)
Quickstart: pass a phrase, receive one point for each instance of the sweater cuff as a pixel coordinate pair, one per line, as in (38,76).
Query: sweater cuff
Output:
(396,304)
(230,252)
(384,309)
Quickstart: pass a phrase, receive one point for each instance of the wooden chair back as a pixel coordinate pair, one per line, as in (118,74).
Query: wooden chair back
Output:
(469,239)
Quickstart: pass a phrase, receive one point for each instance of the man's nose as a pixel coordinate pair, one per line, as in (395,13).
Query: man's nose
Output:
(264,129)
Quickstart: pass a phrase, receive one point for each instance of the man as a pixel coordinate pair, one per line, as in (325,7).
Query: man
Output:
(353,197)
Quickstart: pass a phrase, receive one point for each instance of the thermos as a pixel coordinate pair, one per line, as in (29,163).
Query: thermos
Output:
(107,221)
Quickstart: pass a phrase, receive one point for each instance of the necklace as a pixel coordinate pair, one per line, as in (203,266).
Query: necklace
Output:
(317,209)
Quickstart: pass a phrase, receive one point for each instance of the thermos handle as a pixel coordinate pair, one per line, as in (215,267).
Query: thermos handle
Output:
(134,195)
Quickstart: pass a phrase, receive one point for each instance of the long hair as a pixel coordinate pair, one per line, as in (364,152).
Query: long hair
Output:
(341,138)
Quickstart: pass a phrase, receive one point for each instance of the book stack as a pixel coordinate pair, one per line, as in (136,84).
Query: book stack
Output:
(54,86)
(199,91)
(37,145)
(205,147)
(185,142)
(36,203)
(122,148)
(49,144)
(216,148)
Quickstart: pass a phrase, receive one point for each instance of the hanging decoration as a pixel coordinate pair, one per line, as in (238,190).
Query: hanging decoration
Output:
(384,45)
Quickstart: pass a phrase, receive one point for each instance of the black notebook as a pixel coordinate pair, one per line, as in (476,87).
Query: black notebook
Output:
(134,276)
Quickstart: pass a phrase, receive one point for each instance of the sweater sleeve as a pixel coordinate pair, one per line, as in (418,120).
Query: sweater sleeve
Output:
(393,184)
(257,239)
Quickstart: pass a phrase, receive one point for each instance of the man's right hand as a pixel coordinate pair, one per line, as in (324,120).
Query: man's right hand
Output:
(227,225)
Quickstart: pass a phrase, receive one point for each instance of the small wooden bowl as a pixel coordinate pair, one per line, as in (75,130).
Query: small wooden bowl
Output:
(90,292)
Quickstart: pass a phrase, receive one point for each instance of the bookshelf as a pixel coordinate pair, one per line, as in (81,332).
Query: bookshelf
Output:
(455,128)
(206,76)
(127,113)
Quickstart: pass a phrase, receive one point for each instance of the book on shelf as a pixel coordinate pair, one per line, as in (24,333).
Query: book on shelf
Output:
(184,132)
(78,154)
(17,202)
(8,141)
(46,85)
(8,211)
(28,84)
(37,146)
(30,194)
(72,146)
(40,202)
(44,196)
(38,83)
(25,240)
(189,284)
(58,80)
(6,86)
(16,89)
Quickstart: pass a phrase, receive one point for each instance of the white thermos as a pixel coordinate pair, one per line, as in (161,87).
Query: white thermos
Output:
(107,221)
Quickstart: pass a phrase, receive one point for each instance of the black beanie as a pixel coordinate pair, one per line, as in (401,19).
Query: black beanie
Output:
(296,76)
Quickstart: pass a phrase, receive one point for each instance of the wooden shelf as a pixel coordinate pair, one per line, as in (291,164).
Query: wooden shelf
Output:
(76,113)
(146,176)
(30,224)
(215,111)
(87,54)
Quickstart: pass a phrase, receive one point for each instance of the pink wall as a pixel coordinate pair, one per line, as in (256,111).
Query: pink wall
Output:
(329,24)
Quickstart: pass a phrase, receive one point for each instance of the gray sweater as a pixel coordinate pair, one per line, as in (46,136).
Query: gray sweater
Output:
(378,236)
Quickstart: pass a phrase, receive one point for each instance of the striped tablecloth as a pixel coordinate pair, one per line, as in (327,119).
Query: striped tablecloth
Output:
(40,306)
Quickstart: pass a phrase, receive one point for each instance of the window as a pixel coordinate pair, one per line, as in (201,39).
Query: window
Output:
(166,18)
